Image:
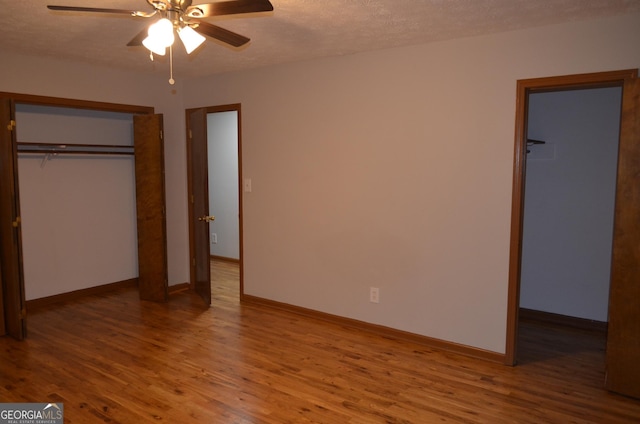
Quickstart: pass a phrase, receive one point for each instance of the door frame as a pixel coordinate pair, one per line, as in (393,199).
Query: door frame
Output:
(60,102)
(233,107)
(524,88)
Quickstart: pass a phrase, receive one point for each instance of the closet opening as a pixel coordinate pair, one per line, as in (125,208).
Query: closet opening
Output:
(76,173)
(85,196)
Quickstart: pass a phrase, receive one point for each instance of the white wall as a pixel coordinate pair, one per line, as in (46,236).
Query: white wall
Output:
(393,169)
(569,201)
(222,148)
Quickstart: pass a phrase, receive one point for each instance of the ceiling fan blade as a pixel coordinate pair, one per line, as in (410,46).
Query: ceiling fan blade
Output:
(224,35)
(137,40)
(228,7)
(91,9)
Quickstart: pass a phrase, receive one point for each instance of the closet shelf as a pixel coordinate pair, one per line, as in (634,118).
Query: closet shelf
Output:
(78,149)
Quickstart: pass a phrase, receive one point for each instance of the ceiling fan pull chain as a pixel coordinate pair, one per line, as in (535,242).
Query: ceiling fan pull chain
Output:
(171,80)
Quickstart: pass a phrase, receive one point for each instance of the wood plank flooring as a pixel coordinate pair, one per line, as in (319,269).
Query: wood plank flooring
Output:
(114,359)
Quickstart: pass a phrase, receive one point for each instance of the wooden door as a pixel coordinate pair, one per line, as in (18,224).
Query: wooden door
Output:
(3,328)
(150,205)
(623,340)
(199,186)
(12,276)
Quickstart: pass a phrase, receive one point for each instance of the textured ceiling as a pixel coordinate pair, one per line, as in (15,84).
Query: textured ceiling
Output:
(296,30)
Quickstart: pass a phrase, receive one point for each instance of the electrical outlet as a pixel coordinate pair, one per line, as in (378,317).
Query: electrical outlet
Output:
(374,295)
(214,238)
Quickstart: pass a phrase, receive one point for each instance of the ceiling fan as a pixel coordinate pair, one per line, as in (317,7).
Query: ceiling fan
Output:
(185,19)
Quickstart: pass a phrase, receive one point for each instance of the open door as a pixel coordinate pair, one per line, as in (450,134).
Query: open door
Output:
(11,276)
(623,340)
(150,206)
(199,201)
(3,327)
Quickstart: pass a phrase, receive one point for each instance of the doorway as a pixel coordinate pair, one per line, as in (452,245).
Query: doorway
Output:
(623,371)
(62,157)
(214,168)
(569,203)
(222,149)
(77,199)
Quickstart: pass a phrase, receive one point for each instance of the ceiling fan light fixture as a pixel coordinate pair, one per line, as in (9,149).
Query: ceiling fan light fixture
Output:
(162,32)
(190,38)
(177,15)
(153,45)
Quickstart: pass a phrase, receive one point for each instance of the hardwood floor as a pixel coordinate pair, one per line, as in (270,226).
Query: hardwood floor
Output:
(112,358)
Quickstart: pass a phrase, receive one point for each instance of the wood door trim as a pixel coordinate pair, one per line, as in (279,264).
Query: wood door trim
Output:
(233,107)
(76,104)
(524,88)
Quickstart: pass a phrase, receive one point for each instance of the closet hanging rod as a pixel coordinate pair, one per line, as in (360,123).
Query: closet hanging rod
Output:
(73,152)
(531,141)
(86,149)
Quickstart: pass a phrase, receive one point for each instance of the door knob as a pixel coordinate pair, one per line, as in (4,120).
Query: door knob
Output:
(207,218)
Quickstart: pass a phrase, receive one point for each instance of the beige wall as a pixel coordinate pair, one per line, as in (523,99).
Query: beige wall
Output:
(393,169)
(389,169)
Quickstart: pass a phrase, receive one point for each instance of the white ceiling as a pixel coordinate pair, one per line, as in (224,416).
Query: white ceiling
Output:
(297,29)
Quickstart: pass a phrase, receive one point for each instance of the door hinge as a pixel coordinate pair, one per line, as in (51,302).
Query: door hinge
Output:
(11,125)
(161,135)
(23,313)
(193,261)
(190,134)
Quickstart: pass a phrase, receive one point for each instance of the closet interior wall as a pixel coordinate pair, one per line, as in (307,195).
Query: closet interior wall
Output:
(78,207)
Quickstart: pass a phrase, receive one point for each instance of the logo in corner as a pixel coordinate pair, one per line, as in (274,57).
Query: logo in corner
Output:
(31,413)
